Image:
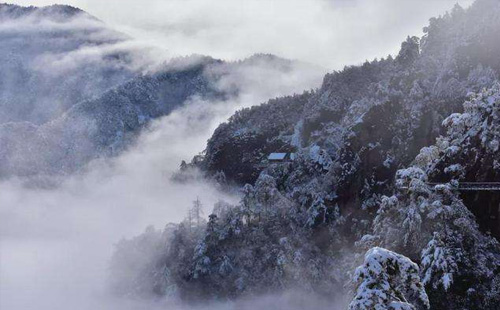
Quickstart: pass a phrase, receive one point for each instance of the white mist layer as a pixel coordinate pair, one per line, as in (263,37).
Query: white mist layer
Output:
(55,244)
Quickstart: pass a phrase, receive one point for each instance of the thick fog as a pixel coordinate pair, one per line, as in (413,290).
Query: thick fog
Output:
(55,243)
(46,64)
(331,33)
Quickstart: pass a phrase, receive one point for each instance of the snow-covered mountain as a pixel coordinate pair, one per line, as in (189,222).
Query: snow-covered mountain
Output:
(368,142)
(54,57)
(102,126)
(368,211)
(73,90)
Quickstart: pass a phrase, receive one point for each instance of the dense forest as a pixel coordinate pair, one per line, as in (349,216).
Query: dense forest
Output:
(370,208)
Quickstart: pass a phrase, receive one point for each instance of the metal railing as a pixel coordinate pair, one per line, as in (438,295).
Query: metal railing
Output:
(467,186)
(473,186)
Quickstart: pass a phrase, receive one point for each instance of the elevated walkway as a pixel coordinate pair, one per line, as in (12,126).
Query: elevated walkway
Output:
(469,186)
(474,186)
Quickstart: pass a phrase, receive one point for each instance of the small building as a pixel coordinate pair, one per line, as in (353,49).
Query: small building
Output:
(281,157)
(277,157)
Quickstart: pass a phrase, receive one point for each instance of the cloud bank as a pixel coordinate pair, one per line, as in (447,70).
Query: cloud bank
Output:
(331,33)
(55,243)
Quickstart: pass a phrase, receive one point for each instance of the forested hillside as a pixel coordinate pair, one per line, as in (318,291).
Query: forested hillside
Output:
(101,126)
(54,57)
(369,142)
(105,125)
(73,90)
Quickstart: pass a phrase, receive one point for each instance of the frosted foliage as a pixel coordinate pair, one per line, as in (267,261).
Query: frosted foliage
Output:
(427,156)
(431,223)
(481,118)
(414,178)
(387,280)
(436,260)
(368,147)
(319,157)
(399,224)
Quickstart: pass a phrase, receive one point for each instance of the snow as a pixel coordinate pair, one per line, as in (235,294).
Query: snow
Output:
(438,265)
(387,279)
(289,202)
(277,156)
(388,161)
(453,150)
(454,168)
(297,134)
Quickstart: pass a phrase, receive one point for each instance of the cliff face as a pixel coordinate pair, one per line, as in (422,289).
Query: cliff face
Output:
(238,147)
(451,232)
(472,156)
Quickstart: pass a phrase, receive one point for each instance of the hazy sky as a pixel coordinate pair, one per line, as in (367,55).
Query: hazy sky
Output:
(332,33)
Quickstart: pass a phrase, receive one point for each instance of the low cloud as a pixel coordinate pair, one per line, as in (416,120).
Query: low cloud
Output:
(55,243)
(48,65)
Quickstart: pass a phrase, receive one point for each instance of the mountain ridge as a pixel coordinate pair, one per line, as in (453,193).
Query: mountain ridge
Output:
(108,124)
(56,12)
(429,113)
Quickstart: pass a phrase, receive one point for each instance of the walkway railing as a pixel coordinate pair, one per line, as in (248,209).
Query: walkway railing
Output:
(474,186)
(469,186)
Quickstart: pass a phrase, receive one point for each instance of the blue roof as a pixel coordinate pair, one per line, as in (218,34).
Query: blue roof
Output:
(277,156)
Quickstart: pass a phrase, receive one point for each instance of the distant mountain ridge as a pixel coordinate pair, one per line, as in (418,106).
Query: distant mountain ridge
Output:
(106,125)
(53,57)
(71,89)
(54,12)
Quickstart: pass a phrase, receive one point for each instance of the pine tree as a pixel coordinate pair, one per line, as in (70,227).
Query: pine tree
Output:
(197,211)
(388,281)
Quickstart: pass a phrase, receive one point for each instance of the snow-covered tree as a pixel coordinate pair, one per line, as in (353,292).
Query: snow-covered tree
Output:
(388,281)
(369,152)
(410,50)
(438,264)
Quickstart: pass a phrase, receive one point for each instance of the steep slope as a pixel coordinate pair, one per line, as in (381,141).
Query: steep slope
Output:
(460,264)
(369,120)
(101,126)
(236,148)
(303,224)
